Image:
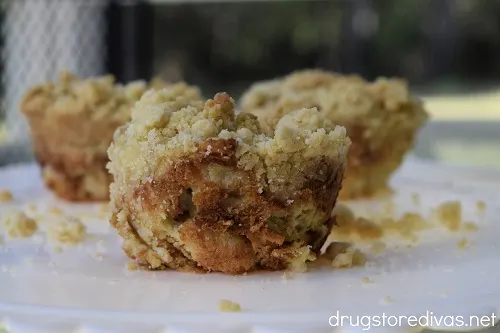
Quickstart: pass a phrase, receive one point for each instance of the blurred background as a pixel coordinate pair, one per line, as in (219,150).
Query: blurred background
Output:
(449,50)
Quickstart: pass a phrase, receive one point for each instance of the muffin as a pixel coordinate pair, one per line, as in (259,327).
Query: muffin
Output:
(381,119)
(199,188)
(72,122)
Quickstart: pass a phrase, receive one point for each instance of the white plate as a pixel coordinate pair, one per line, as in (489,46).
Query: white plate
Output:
(79,289)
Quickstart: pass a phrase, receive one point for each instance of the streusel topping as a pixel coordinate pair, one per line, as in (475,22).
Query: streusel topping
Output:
(168,125)
(99,96)
(342,99)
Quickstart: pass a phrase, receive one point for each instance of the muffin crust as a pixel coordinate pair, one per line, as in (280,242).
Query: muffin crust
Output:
(381,119)
(72,122)
(200,188)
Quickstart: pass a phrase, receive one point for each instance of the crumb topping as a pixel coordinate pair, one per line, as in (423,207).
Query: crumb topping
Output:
(167,126)
(98,96)
(342,99)
(18,224)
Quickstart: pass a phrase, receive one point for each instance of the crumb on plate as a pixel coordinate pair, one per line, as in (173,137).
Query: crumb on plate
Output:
(56,211)
(366,280)
(229,306)
(18,224)
(388,299)
(350,227)
(481,206)
(68,230)
(470,226)
(6,195)
(449,214)
(463,243)
(343,255)
(132,266)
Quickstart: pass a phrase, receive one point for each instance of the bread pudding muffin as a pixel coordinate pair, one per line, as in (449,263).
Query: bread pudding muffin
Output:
(199,188)
(381,119)
(72,122)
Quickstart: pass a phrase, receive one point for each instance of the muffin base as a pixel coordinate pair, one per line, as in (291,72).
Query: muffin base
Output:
(93,185)
(185,219)
(369,169)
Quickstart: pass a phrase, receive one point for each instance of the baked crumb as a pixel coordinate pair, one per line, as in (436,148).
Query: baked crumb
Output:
(352,228)
(132,266)
(6,195)
(481,206)
(469,226)
(229,306)
(349,227)
(343,255)
(381,117)
(366,280)
(197,186)
(56,211)
(449,214)
(72,121)
(18,224)
(388,299)
(352,258)
(299,263)
(69,230)
(463,243)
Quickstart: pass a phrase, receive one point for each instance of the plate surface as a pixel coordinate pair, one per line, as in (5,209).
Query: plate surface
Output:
(89,288)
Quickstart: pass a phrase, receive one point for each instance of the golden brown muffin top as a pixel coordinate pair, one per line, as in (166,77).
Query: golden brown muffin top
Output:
(168,125)
(342,99)
(99,97)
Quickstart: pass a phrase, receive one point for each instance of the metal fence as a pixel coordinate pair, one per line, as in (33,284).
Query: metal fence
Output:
(41,38)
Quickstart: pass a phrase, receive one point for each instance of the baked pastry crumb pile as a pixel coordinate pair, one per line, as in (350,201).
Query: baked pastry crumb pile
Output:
(381,119)
(197,187)
(18,225)
(72,122)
